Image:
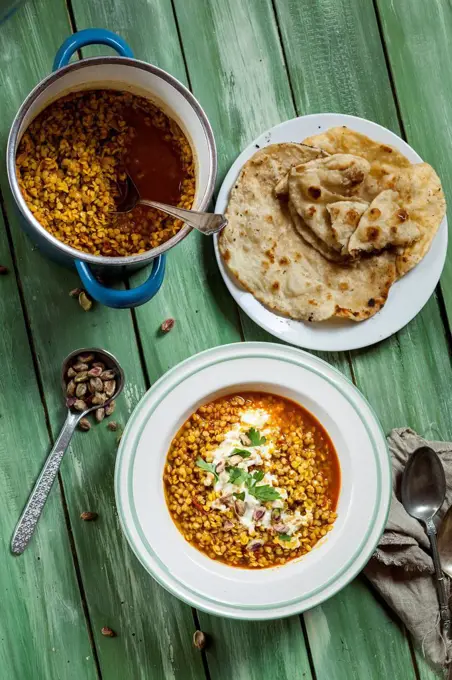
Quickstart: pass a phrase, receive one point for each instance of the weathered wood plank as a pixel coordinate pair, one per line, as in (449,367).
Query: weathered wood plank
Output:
(205,316)
(43,631)
(390,374)
(238,49)
(419,51)
(417,37)
(154,629)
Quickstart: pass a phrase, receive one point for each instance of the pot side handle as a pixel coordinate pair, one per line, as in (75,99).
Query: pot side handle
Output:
(121,299)
(90,36)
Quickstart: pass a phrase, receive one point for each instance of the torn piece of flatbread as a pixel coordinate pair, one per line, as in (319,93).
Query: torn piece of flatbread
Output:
(385,223)
(312,187)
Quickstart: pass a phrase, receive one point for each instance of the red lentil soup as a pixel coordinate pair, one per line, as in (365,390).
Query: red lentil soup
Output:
(252,479)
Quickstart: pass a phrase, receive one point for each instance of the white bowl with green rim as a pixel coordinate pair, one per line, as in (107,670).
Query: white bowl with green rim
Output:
(363,501)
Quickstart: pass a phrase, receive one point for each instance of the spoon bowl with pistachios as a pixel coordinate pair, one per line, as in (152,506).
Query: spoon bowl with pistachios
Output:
(91,379)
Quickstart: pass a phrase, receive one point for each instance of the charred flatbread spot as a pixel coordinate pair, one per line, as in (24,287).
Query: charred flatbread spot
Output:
(314,192)
(374,213)
(269,218)
(386,149)
(269,253)
(284,260)
(372,233)
(311,211)
(343,285)
(275,285)
(355,176)
(402,215)
(351,216)
(227,255)
(371,302)
(314,303)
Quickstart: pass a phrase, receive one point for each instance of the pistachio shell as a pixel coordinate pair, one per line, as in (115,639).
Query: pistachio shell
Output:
(108,375)
(80,366)
(70,373)
(199,639)
(110,408)
(239,507)
(85,302)
(96,385)
(99,399)
(85,358)
(70,388)
(95,372)
(110,387)
(80,405)
(99,414)
(84,424)
(80,390)
(81,377)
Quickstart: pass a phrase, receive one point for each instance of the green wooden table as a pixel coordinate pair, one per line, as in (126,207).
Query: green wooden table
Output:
(252,64)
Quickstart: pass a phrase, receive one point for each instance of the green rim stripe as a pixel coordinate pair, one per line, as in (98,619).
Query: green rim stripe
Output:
(137,437)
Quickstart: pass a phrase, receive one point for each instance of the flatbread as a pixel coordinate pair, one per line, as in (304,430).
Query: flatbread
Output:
(385,160)
(385,223)
(423,198)
(312,187)
(310,153)
(262,249)
(345,216)
(418,185)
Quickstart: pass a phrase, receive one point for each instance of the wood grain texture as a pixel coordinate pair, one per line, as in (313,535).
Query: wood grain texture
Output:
(390,374)
(43,631)
(252,83)
(154,629)
(338,656)
(417,37)
(205,316)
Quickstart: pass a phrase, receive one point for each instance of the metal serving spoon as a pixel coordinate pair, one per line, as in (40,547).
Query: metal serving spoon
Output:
(206,223)
(423,492)
(30,516)
(445,542)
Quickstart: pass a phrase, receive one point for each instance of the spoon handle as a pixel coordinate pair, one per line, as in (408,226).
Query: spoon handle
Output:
(207,223)
(31,513)
(440,587)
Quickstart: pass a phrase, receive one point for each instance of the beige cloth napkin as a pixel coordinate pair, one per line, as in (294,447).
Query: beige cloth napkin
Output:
(401,568)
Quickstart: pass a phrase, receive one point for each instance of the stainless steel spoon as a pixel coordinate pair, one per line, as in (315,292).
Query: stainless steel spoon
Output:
(423,492)
(30,516)
(206,223)
(445,542)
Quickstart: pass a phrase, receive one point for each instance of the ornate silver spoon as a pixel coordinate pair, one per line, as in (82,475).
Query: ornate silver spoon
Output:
(30,516)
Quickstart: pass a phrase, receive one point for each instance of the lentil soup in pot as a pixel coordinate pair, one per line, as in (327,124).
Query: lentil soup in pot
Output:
(252,479)
(71,164)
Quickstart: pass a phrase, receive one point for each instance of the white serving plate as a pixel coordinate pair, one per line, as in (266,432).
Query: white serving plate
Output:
(406,297)
(363,502)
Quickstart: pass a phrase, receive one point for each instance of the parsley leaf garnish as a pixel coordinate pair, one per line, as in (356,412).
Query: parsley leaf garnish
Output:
(284,537)
(240,452)
(264,492)
(255,437)
(240,496)
(237,475)
(208,467)
(258,475)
